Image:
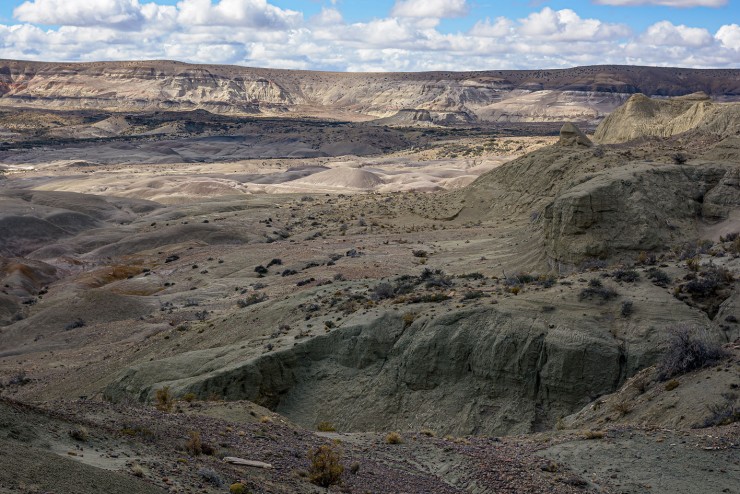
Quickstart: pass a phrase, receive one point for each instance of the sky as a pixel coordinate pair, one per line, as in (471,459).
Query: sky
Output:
(377,35)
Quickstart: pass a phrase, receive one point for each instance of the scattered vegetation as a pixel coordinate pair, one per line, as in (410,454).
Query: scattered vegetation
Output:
(594,435)
(626,275)
(598,291)
(658,277)
(237,488)
(252,299)
(79,433)
(209,475)
(688,349)
(164,399)
(724,413)
(326,468)
(326,427)
(394,438)
(672,384)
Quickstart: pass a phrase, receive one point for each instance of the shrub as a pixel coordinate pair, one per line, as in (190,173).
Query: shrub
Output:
(326,468)
(194,445)
(77,323)
(210,476)
(473,295)
(252,299)
(79,433)
(260,269)
(383,291)
(603,292)
(428,298)
(627,308)
(471,276)
(354,468)
(671,385)
(326,427)
(626,275)
(189,397)
(408,319)
(394,438)
(679,158)
(592,265)
(275,262)
(237,488)
(594,434)
(436,278)
(164,399)
(688,349)
(420,253)
(724,413)
(658,276)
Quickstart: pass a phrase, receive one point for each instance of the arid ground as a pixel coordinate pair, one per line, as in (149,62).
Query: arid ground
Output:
(448,306)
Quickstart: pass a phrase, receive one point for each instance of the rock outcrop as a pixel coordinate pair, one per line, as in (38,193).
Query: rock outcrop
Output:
(491,370)
(570,135)
(581,93)
(643,117)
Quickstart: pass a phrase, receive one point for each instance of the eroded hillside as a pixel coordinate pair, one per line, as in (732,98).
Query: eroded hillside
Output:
(582,93)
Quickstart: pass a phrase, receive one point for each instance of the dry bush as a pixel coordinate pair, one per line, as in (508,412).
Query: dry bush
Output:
(394,438)
(189,397)
(326,468)
(164,399)
(622,408)
(194,445)
(326,427)
(237,488)
(688,349)
(79,433)
(671,385)
(594,434)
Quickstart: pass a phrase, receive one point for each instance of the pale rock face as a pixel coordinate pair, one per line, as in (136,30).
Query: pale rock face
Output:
(578,94)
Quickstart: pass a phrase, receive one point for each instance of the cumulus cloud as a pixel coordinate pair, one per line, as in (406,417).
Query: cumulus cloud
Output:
(666,34)
(257,33)
(125,14)
(666,3)
(729,36)
(245,13)
(566,25)
(430,8)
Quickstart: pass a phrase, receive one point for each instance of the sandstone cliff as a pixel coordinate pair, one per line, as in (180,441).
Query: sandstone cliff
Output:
(583,93)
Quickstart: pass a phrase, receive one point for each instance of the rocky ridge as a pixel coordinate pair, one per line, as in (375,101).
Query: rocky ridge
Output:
(582,93)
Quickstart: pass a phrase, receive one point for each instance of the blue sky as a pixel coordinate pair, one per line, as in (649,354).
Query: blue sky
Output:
(638,17)
(377,35)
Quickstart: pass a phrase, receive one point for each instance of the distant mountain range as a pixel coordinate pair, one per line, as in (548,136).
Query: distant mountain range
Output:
(581,93)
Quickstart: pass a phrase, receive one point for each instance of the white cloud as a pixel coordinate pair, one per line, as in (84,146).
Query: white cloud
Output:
(257,33)
(245,13)
(729,36)
(501,27)
(437,9)
(119,13)
(666,3)
(566,25)
(666,34)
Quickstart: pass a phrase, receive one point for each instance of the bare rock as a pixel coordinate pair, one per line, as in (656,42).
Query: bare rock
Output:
(570,135)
